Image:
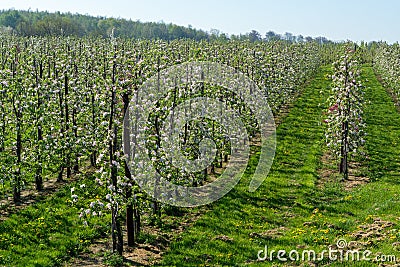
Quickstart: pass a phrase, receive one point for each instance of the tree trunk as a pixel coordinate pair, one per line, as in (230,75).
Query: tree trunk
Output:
(3,128)
(38,175)
(68,150)
(17,179)
(93,156)
(17,182)
(130,222)
(344,168)
(117,237)
(75,129)
(62,131)
(116,232)
(130,227)
(60,174)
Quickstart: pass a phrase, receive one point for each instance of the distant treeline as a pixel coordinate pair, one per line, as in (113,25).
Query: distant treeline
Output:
(35,23)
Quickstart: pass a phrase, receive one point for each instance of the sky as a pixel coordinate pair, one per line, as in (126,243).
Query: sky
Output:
(356,20)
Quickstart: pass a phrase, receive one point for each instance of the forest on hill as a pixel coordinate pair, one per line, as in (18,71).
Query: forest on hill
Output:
(43,23)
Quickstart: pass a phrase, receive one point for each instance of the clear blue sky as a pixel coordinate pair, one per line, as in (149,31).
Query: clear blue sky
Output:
(335,19)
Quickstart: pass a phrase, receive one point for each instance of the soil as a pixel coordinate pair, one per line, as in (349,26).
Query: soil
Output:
(143,254)
(327,175)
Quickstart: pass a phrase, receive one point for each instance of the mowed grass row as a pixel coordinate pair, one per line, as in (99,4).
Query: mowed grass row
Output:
(49,232)
(289,211)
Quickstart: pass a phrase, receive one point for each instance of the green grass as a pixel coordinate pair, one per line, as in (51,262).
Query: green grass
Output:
(48,232)
(302,216)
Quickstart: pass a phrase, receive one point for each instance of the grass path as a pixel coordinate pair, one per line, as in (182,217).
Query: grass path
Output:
(288,211)
(383,122)
(49,231)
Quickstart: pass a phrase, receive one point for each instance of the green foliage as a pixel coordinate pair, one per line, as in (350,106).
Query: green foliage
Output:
(10,19)
(113,259)
(28,23)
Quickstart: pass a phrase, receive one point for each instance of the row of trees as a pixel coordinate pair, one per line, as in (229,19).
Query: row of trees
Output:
(345,125)
(387,63)
(345,133)
(63,101)
(289,37)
